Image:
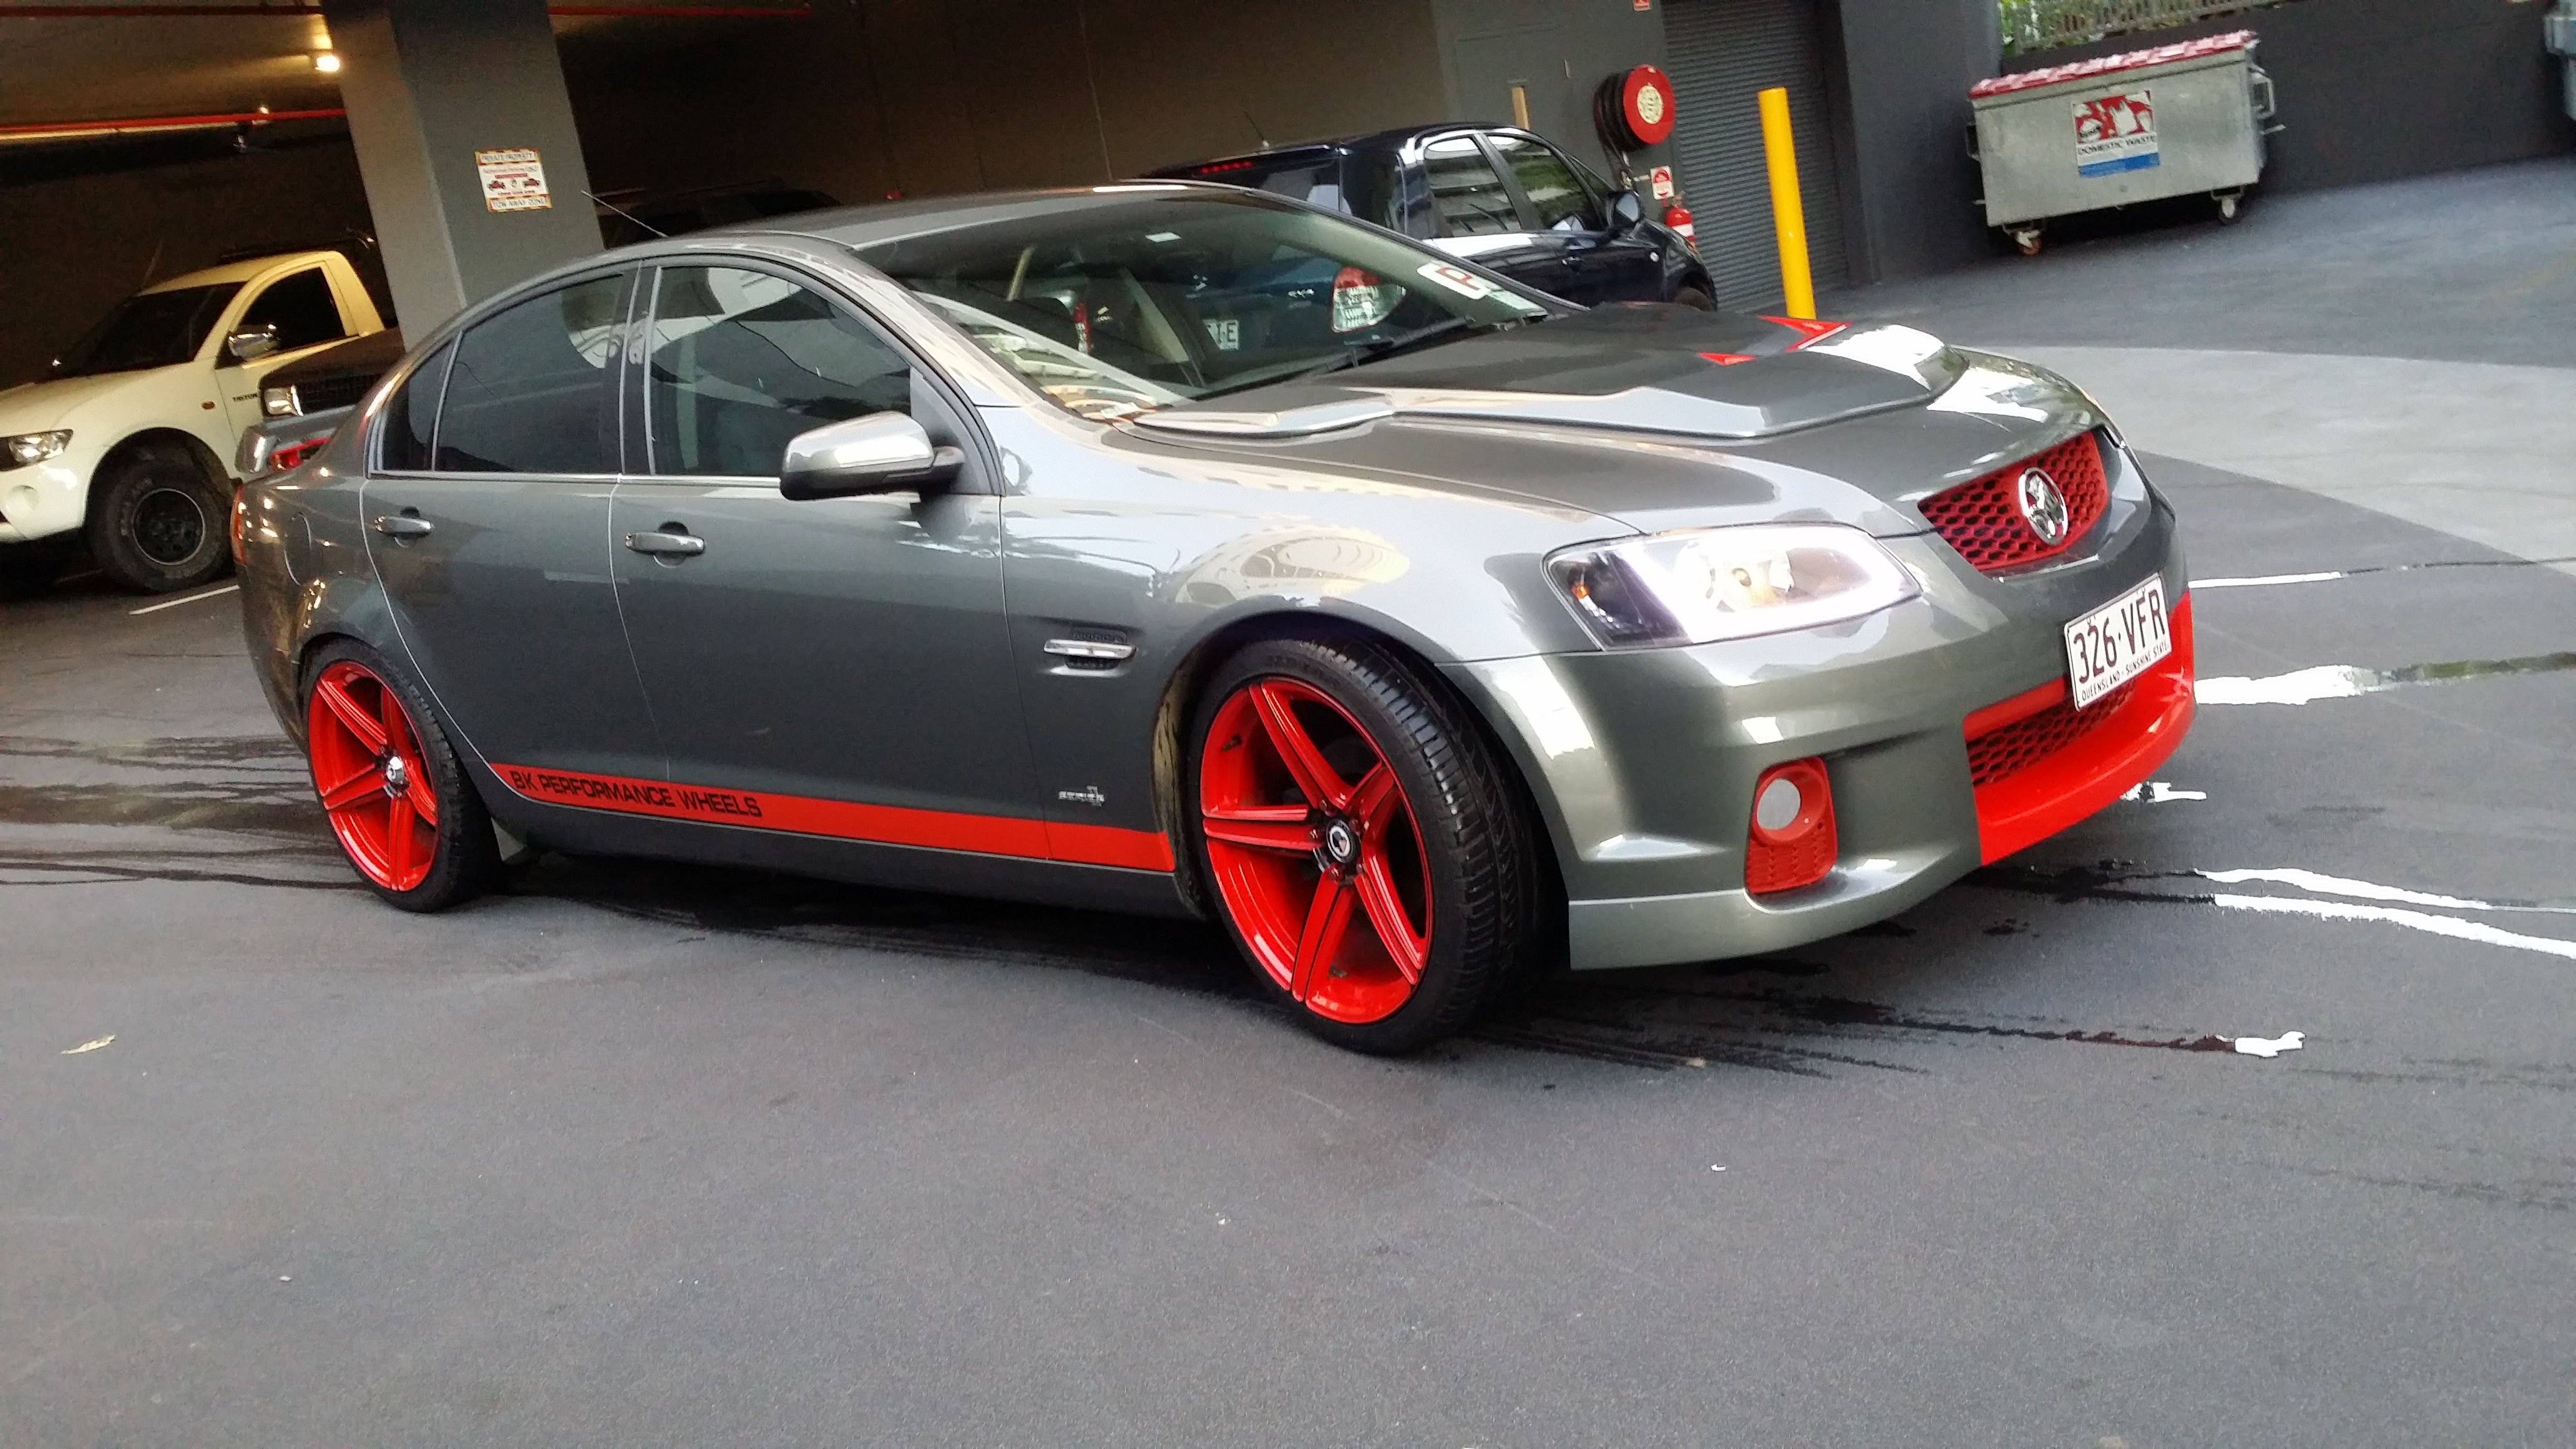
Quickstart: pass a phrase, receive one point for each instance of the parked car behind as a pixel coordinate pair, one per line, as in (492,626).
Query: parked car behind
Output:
(123,445)
(1496,195)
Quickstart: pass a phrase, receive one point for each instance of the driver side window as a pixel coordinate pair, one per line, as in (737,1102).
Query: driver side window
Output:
(741,361)
(1469,197)
(300,306)
(1559,197)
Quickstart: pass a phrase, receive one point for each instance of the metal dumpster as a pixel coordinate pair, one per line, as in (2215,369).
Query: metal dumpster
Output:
(2171,121)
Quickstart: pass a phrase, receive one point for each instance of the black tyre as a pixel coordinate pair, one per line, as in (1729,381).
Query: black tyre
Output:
(1363,843)
(1691,294)
(398,801)
(157,519)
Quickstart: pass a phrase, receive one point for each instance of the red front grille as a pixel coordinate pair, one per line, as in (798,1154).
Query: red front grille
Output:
(2032,738)
(1982,518)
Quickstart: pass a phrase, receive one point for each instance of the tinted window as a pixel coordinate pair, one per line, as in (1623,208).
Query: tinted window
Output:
(1468,195)
(530,391)
(157,329)
(299,306)
(1554,192)
(742,361)
(402,440)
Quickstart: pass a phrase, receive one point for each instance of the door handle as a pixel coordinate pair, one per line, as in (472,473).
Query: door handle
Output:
(402,525)
(665,544)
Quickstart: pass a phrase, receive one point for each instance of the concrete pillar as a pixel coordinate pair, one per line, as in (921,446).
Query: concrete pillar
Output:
(428,84)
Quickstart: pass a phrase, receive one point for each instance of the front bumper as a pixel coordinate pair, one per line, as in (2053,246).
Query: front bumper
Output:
(1644,762)
(47,498)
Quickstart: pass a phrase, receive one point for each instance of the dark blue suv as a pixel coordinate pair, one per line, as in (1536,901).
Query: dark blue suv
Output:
(1497,195)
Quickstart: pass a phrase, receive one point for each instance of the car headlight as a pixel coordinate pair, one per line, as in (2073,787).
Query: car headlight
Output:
(28,449)
(278,401)
(1703,585)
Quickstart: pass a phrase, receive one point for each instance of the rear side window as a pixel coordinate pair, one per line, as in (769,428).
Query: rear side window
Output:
(402,439)
(1465,190)
(743,361)
(1554,191)
(300,307)
(531,390)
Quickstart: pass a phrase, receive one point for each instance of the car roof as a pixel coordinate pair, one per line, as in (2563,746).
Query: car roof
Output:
(884,221)
(241,271)
(1395,140)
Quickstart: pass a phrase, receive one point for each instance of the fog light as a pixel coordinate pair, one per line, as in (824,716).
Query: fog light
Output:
(1791,841)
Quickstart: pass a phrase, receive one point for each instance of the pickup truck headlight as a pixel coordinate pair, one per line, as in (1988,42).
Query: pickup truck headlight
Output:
(28,449)
(277,400)
(1703,585)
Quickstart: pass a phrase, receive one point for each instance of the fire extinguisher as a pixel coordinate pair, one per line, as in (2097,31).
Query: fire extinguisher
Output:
(1678,217)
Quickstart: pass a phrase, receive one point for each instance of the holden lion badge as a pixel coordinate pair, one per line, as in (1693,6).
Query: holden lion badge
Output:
(2042,506)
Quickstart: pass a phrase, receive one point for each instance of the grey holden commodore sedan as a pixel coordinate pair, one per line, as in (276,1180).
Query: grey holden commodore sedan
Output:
(1180,549)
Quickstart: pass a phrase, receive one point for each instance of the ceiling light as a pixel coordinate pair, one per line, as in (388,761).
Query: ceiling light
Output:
(327,62)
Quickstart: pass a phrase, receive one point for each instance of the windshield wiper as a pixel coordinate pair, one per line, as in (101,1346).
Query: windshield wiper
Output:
(1368,352)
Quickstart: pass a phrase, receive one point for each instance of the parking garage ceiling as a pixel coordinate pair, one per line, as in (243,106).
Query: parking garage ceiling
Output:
(80,64)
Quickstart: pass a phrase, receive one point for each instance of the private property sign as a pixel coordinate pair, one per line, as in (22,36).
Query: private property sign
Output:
(2115,133)
(512,181)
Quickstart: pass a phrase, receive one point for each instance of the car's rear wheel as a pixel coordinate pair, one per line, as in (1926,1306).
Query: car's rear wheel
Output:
(397,799)
(156,519)
(1692,294)
(1362,843)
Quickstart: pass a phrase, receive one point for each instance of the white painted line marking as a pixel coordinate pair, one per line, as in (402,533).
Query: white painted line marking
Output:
(2263,581)
(2413,920)
(2325,681)
(2336,885)
(2257,1046)
(191,599)
(87,1046)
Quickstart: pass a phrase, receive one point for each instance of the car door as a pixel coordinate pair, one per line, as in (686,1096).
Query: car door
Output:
(1602,265)
(843,660)
(1479,217)
(307,318)
(487,512)
(1608,264)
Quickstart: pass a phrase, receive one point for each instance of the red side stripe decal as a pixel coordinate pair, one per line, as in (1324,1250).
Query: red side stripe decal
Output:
(844,819)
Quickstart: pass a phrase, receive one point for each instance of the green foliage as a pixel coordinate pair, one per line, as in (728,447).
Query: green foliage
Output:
(2031,25)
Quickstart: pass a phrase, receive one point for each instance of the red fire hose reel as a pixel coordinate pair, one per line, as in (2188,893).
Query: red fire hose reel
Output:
(1634,108)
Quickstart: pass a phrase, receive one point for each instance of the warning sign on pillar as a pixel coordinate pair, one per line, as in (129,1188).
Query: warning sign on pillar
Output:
(512,181)
(1661,181)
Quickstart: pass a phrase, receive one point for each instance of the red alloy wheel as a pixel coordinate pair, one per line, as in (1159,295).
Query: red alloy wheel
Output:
(1315,851)
(368,769)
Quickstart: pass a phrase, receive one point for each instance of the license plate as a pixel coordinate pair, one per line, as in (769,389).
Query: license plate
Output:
(2116,642)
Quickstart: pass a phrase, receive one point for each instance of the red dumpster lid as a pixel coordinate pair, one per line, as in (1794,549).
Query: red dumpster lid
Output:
(2107,64)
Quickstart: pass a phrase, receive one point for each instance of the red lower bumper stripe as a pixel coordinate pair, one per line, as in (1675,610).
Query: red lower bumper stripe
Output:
(2145,726)
(844,819)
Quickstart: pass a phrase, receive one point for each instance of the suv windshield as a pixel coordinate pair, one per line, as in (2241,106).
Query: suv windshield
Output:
(155,329)
(1116,309)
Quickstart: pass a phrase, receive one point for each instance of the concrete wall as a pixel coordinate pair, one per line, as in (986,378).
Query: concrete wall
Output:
(2372,90)
(73,246)
(1901,88)
(933,96)
(1560,52)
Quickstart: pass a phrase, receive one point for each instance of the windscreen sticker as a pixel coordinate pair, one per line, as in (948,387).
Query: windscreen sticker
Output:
(1458,279)
(1361,301)
(2115,133)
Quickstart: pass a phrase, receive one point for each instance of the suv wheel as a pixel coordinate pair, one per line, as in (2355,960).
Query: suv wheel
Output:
(156,521)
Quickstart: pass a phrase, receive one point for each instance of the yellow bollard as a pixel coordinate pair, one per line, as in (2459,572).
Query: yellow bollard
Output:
(1788,215)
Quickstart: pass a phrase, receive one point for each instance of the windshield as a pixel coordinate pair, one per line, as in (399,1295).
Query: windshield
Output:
(155,329)
(1117,309)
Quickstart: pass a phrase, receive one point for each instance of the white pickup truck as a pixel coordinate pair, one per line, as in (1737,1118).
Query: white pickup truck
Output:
(126,443)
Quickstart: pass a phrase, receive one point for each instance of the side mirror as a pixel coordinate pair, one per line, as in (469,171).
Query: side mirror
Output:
(879,453)
(1627,210)
(251,342)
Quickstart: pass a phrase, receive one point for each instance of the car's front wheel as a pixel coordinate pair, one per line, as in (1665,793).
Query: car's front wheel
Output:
(157,519)
(396,796)
(1363,844)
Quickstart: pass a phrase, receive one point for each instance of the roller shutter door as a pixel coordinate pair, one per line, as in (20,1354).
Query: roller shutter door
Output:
(1721,55)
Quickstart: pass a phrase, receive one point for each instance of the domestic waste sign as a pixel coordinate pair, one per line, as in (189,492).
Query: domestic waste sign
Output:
(2115,133)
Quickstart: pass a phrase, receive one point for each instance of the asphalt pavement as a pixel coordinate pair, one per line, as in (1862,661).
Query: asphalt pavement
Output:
(651,1154)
